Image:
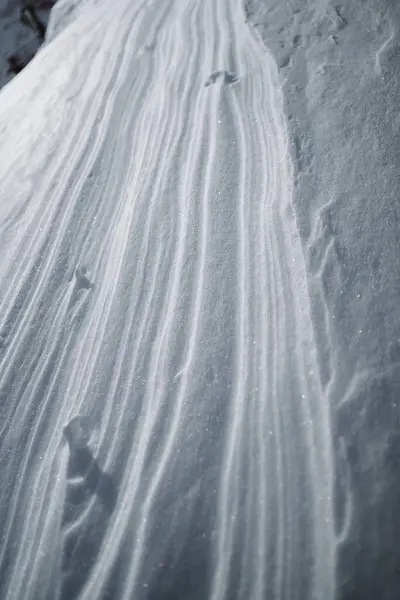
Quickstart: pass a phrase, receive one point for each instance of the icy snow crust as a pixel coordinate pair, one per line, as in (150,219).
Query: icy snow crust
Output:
(165,427)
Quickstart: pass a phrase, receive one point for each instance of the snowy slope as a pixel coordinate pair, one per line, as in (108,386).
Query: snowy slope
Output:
(164,430)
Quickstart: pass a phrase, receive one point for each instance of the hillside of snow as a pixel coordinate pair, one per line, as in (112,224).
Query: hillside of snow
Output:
(199,330)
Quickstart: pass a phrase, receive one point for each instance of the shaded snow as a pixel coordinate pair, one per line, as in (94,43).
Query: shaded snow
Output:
(340,74)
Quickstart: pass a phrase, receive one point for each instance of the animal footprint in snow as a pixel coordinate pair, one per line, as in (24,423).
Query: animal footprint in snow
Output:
(227,76)
(340,21)
(81,280)
(230,78)
(150,47)
(83,469)
(78,432)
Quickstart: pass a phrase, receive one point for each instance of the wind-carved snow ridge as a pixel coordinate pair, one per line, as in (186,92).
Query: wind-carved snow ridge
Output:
(164,431)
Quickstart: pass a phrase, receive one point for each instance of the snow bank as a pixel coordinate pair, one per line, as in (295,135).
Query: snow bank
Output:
(199,333)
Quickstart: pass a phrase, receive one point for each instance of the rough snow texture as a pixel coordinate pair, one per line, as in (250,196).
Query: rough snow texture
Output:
(339,65)
(199,331)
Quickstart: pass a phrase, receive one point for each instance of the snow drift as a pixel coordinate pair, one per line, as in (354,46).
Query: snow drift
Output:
(165,432)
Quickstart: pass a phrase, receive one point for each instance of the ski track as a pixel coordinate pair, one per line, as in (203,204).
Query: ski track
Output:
(164,432)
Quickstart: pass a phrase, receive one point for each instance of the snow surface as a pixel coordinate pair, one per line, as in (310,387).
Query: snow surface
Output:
(198,313)
(339,68)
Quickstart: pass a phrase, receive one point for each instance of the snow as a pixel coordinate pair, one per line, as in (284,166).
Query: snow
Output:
(199,329)
(341,88)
